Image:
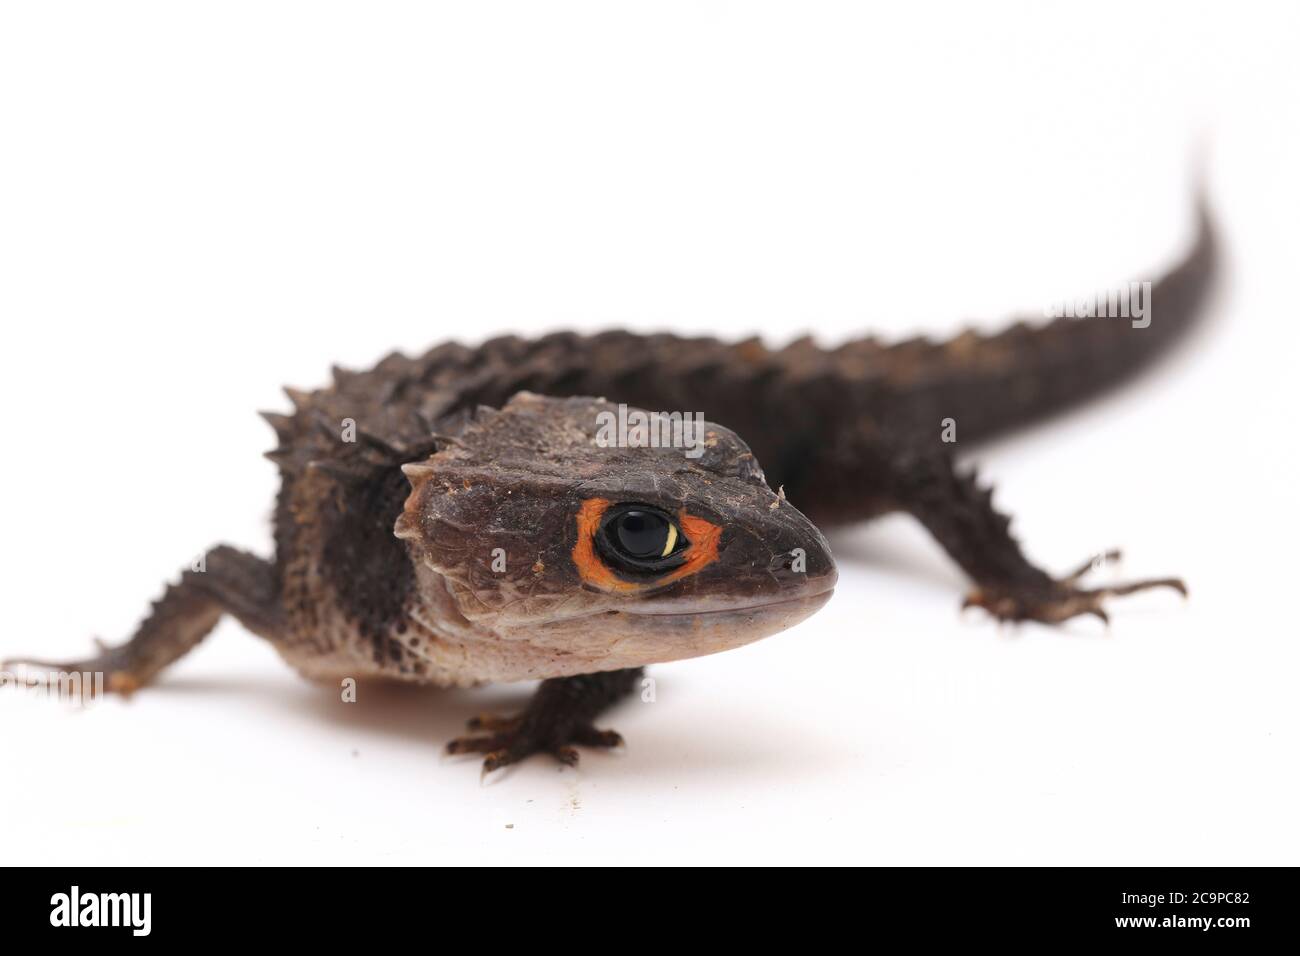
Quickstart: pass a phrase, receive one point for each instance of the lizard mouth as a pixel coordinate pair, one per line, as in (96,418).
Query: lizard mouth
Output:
(651,636)
(641,633)
(817,599)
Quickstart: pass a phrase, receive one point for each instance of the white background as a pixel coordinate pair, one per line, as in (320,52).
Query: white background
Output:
(201,202)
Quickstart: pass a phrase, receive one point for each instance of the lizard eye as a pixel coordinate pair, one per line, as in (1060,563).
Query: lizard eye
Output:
(641,538)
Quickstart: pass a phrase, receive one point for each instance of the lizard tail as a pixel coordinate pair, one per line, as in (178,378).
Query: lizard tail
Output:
(991,383)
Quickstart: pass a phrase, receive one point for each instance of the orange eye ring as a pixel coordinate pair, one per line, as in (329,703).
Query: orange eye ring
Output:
(702,550)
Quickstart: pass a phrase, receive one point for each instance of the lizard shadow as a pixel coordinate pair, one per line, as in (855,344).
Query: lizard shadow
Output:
(425,715)
(428,717)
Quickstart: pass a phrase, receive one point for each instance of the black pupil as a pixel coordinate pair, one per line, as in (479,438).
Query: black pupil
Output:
(642,534)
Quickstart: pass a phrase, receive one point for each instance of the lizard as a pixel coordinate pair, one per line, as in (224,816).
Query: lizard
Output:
(473,527)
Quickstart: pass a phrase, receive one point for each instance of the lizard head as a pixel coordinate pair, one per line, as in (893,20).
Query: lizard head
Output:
(577,544)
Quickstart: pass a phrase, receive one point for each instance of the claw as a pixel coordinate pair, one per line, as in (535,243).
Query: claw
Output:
(1060,600)
(1094,563)
(591,737)
(1099,614)
(1118,590)
(493,761)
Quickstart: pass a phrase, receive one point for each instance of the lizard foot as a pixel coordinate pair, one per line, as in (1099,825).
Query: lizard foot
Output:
(511,739)
(121,673)
(1055,601)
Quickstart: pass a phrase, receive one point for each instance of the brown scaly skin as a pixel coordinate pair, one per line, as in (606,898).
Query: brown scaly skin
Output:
(850,433)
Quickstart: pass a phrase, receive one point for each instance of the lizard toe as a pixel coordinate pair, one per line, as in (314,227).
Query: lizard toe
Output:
(121,675)
(521,739)
(1061,601)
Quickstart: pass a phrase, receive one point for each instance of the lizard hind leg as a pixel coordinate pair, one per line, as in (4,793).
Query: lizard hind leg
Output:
(230,582)
(960,515)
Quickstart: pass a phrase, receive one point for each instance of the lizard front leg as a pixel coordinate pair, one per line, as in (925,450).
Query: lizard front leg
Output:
(559,715)
(230,581)
(960,514)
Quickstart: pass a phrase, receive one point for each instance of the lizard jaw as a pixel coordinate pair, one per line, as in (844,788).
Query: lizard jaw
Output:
(815,601)
(620,638)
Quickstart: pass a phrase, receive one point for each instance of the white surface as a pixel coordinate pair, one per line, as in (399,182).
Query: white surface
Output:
(198,204)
